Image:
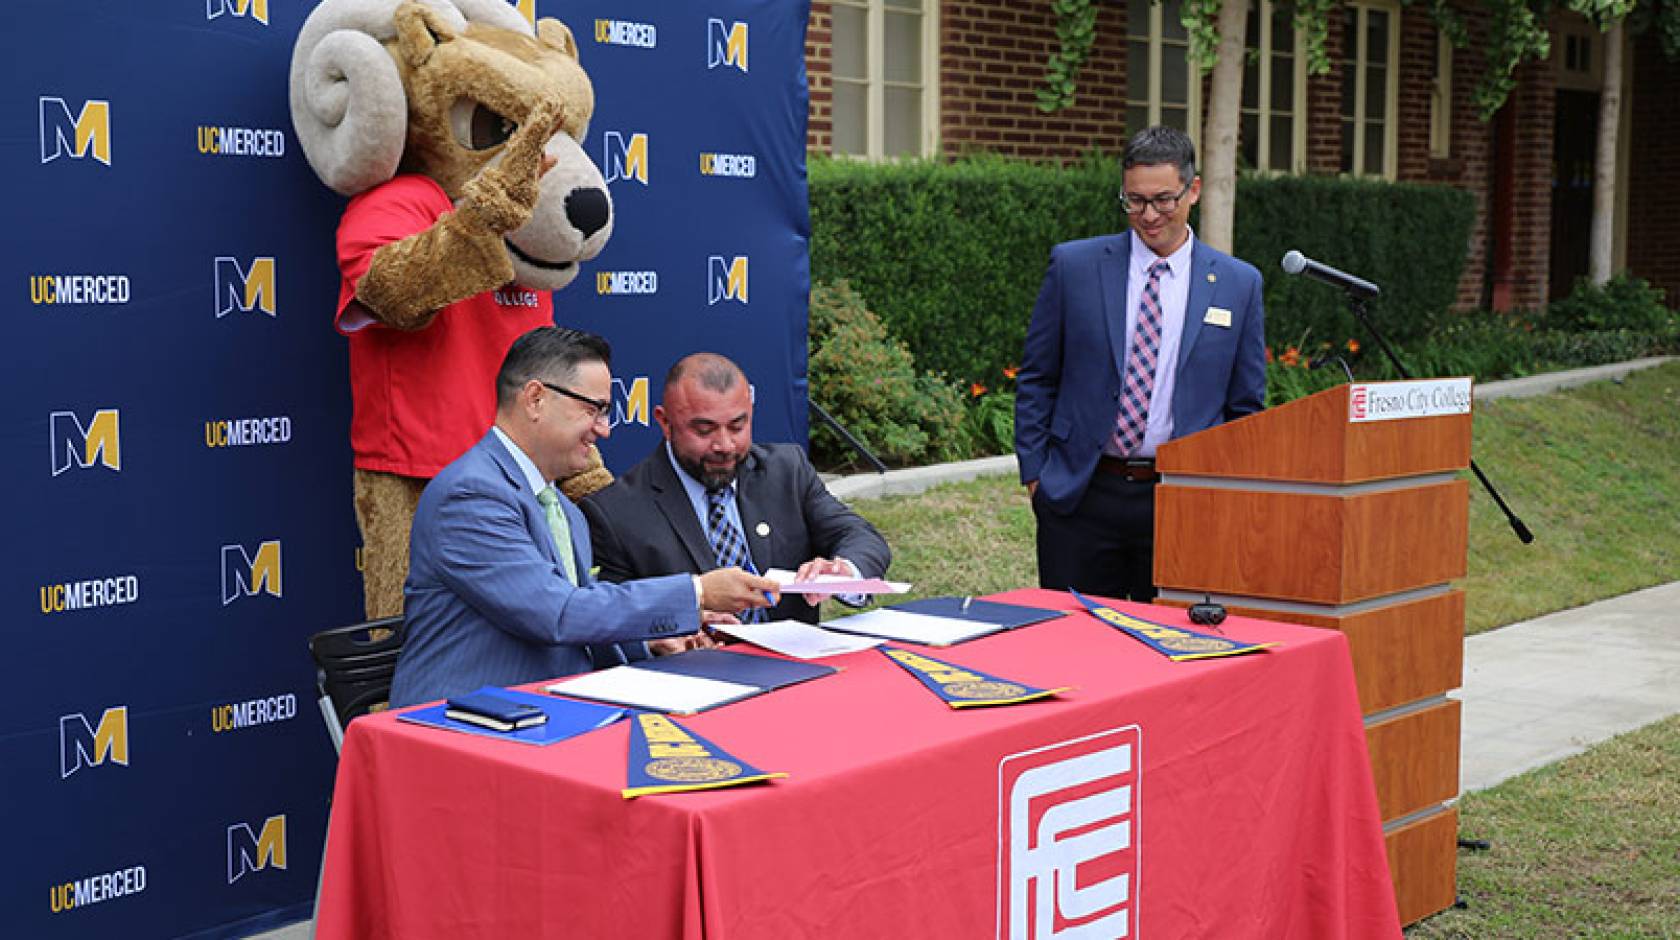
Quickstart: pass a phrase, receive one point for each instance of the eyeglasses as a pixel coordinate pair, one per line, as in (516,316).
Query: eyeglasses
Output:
(597,406)
(1134,204)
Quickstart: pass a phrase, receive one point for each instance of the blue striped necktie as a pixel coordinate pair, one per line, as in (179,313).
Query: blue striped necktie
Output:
(728,544)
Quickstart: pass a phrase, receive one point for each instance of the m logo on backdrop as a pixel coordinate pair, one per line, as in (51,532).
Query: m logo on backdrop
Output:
(1068,824)
(726,279)
(87,132)
(244,289)
(81,745)
(78,445)
(630,403)
(254,9)
(250,852)
(726,44)
(623,160)
(244,576)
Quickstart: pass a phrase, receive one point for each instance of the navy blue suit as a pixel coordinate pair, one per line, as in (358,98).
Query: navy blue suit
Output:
(487,602)
(1068,390)
(1096,530)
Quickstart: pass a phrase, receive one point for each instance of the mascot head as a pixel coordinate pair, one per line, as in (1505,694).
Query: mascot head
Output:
(437,87)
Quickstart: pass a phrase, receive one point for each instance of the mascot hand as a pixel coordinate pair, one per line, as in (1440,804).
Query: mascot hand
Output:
(590,479)
(501,196)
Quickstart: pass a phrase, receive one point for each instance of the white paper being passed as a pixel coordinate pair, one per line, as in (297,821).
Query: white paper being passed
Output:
(911,628)
(833,584)
(797,639)
(660,691)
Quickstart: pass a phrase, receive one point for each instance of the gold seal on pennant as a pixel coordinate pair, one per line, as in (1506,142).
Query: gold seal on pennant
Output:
(692,769)
(1196,644)
(983,689)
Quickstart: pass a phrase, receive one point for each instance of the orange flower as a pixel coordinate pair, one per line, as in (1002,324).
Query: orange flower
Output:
(1291,356)
(976,390)
(1269,356)
(1009,372)
(1353,345)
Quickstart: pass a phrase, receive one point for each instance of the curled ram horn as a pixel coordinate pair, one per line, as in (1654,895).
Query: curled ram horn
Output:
(348,105)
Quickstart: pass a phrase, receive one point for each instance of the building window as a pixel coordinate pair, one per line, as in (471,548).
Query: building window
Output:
(882,66)
(1370,87)
(1440,99)
(1274,84)
(1163,87)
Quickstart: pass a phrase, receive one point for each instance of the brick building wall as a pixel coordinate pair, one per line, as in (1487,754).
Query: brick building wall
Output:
(1653,224)
(819,58)
(1533,103)
(991,62)
(991,65)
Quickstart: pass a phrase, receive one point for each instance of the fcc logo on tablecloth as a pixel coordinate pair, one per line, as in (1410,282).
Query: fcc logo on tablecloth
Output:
(1068,818)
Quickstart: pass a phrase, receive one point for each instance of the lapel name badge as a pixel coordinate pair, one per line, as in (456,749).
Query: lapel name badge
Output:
(1218,316)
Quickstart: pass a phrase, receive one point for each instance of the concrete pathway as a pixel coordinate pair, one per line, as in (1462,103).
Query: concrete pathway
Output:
(1542,690)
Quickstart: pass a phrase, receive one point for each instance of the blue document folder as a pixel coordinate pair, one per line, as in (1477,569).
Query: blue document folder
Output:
(765,672)
(1005,616)
(566,718)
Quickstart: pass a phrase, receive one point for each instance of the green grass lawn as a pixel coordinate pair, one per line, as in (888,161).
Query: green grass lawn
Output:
(1589,847)
(1594,472)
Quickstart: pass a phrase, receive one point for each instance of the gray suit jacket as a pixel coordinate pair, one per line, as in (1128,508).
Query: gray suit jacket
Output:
(643,524)
(486,601)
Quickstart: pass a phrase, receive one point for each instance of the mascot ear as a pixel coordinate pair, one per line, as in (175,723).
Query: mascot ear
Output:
(555,35)
(419,31)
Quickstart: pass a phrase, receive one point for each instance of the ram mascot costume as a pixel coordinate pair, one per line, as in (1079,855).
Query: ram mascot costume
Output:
(456,128)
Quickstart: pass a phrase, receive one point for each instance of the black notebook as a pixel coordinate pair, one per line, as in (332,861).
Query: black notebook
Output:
(489,710)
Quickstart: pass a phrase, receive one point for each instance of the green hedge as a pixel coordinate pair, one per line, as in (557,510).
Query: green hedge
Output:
(950,256)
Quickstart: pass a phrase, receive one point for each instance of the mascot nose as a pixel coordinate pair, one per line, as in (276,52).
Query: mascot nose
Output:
(588,209)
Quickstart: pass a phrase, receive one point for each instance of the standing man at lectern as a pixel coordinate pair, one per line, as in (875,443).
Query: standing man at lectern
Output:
(1135,339)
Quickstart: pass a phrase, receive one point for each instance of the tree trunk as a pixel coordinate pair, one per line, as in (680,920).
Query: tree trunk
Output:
(1601,253)
(1219,137)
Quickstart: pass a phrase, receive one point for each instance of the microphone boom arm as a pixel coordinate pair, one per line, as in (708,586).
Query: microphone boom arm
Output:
(1358,306)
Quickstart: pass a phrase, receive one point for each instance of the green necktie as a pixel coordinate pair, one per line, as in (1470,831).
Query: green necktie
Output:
(562,530)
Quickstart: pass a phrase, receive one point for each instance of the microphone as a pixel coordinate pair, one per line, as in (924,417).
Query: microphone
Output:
(1297,263)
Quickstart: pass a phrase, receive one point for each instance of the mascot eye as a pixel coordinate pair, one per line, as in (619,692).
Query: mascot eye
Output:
(489,128)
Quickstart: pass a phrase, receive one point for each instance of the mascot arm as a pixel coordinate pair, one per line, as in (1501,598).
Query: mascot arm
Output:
(462,255)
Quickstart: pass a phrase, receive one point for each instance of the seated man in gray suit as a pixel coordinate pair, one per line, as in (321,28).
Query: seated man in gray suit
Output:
(499,590)
(709,497)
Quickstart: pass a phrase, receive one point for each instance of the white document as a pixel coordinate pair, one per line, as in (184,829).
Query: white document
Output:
(834,584)
(911,628)
(797,639)
(660,691)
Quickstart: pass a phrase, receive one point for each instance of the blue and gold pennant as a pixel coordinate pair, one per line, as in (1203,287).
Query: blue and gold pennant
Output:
(961,687)
(667,758)
(1175,643)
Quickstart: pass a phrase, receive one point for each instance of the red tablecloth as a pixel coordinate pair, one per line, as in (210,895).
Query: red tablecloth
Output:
(1224,798)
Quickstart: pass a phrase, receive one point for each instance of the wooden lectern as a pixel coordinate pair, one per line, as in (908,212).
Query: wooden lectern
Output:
(1316,513)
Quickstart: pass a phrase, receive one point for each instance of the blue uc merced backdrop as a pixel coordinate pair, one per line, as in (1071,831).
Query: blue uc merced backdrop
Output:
(179,470)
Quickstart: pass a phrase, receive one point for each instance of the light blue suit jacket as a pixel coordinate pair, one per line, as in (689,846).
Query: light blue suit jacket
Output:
(486,602)
(1068,390)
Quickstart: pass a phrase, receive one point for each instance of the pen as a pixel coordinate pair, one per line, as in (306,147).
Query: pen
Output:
(967,600)
(752,569)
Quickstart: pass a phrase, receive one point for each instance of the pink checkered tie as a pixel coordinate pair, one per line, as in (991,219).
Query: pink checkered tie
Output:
(1140,365)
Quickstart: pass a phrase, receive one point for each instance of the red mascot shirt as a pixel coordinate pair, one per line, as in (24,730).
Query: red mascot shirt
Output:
(422,398)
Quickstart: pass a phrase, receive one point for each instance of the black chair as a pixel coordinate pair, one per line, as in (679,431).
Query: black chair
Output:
(353,670)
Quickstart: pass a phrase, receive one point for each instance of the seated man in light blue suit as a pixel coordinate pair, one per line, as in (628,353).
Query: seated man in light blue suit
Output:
(1136,339)
(499,590)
